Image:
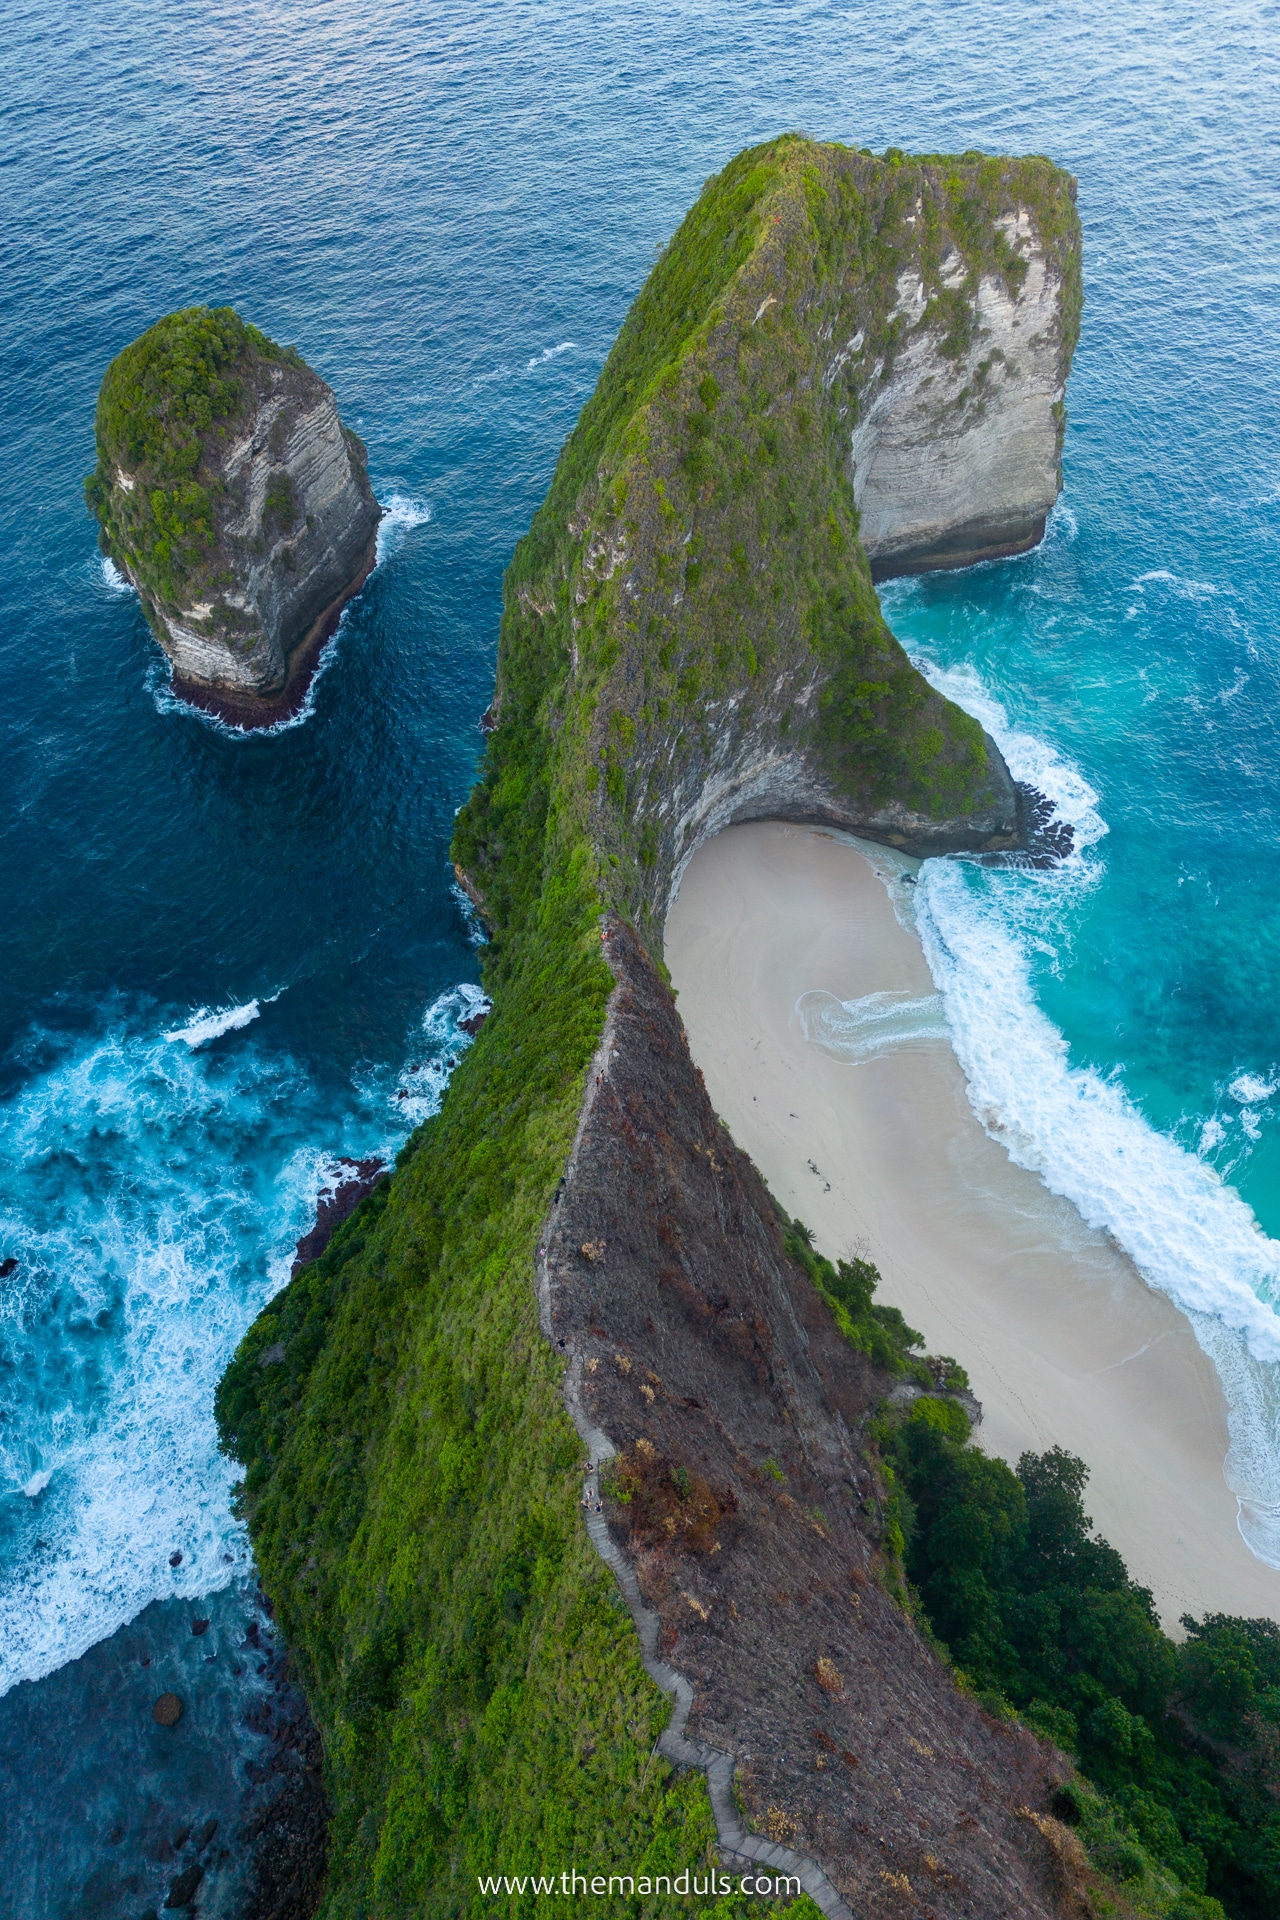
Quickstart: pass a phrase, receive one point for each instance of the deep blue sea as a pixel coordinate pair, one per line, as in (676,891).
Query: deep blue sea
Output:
(226,959)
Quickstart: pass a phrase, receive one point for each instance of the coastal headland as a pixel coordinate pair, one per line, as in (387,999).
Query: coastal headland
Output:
(883,1156)
(574,1336)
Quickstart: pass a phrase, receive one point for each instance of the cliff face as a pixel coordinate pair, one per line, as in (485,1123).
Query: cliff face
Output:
(957,454)
(698,1349)
(691,636)
(831,344)
(237,503)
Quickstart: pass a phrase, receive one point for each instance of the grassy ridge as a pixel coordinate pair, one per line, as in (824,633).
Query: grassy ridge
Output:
(409,1466)
(413,1495)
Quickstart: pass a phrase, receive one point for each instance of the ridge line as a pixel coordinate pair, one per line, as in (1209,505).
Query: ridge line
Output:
(718,1766)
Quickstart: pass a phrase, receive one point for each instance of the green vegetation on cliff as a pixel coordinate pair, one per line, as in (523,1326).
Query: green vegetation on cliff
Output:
(1182,1741)
(692,592)
(410,1483)
(162,399)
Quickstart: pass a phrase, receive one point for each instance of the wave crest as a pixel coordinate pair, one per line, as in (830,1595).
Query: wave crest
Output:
(877,1023)
(1189,1234)
(210,1023)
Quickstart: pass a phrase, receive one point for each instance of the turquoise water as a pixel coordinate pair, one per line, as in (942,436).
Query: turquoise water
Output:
(448,211)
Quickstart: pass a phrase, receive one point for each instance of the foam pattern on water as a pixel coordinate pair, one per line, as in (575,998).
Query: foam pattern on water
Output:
(400,515)
(152,1194)
(877,1023)
(210,1023)
(1189,1234)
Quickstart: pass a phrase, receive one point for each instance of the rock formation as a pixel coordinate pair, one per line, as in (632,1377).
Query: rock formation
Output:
(694,1341)
(833,345)
(691,636)
(957,453)
(239,506)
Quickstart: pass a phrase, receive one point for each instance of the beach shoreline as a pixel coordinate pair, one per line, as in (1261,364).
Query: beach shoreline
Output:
(883,1156)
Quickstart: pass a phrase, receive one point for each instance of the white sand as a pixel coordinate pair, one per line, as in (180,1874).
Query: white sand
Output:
(1064,1343)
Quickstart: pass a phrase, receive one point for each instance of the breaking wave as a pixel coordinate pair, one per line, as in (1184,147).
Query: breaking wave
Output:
(211,1023)
(400,515)
(1189,1234)
(448,1028)
(877,1023)
(550,353)
(151,1197)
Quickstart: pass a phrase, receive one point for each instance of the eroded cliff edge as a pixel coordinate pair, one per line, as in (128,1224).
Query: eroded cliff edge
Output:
(231,495)
(691,636)
(838,357)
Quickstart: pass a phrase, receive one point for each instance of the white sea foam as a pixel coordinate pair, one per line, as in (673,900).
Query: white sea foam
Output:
(420,1088)
(1028,758)
(113,579)
(1061,525)
(1182,589)
(1188,1232)
(210,1023)
(153,1194)
(1249,1088)
(400,515)
(476,933)
(550,353)
(141,1230)
(877,1023)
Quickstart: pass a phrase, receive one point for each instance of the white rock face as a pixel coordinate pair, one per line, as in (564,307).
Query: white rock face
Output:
(959,460)
(296,529)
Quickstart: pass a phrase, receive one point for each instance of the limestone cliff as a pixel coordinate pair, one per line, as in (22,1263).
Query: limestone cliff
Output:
(232,496)
(837,356)
(691,636)
(957,450)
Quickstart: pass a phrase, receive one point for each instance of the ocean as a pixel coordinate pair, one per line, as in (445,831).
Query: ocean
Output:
(229,960)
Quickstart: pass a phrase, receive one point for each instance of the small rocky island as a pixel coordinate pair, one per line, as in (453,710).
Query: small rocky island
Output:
(238,505)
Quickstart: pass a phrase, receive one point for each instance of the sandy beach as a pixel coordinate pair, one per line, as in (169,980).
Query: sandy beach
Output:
(882,1156)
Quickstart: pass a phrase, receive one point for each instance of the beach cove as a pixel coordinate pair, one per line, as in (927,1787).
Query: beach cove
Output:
(879,1152)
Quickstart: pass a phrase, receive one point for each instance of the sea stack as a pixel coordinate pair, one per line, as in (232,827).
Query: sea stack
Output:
(236,502)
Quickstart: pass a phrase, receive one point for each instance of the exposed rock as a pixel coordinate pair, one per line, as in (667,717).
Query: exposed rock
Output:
(167,1710)
(957,454)
(286,1841)
(231,495)
(183,1890)
(703,1353)
(7,1267)
(336,1204)
(842,365)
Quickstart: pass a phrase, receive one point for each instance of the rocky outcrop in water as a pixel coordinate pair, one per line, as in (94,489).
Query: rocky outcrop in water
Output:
(230,493)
